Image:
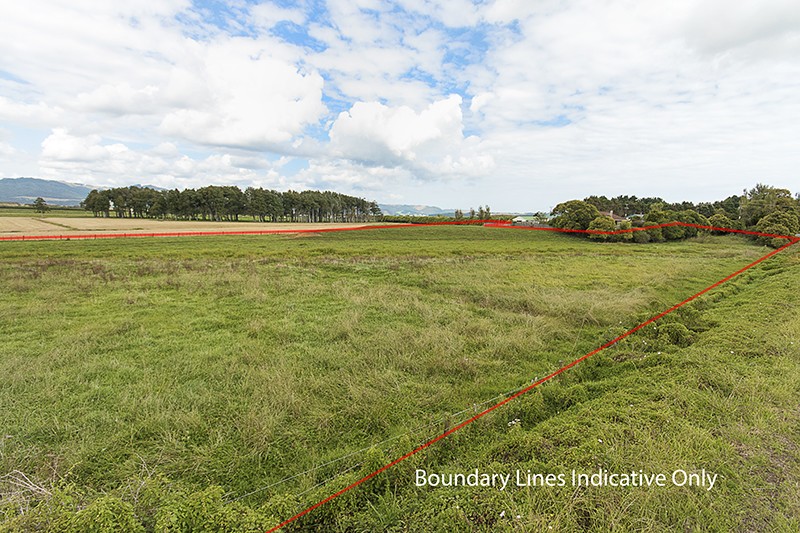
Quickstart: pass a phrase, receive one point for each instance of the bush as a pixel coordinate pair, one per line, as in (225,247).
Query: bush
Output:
(772,229)
(206,511)
(601,224)
(779,218)
(105,514)
(690,216)
(641,237)
(720,221)
(623,237)
(676,233)
(574,214)
(655,234)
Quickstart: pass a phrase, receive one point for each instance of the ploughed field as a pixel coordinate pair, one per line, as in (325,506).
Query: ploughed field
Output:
(14,225)
(156,380)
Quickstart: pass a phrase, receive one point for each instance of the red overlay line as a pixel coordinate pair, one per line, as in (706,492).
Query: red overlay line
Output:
(792,240)
(489,223)
(84,236)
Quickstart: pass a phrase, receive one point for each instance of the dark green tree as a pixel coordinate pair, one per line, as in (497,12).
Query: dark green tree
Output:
(574,214)
(40,206)
(763,200)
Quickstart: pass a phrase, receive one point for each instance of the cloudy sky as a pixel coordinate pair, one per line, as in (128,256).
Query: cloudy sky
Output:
(515,103)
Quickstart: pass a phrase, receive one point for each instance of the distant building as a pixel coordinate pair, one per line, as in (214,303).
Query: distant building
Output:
(611,214)
(539,219)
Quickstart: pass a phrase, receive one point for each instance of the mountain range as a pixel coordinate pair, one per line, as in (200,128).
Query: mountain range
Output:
(26,190)
(416,210)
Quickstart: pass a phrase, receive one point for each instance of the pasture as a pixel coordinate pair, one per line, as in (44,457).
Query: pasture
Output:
(159,381)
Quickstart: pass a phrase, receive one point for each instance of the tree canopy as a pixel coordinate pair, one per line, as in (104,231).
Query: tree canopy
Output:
(229,203)
(40,206)
(574,214)
(763,208)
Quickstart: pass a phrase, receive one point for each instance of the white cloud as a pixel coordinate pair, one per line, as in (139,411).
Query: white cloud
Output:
(267,15)
(453,13)
(125,60)
(430,143)
(120,99)
(89,159)
(251,100)
(61,146)
(27,114)
(6,150)
(742,23)
(691,99)
(480,100)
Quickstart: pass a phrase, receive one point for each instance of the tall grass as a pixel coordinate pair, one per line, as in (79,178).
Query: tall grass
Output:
(240,361)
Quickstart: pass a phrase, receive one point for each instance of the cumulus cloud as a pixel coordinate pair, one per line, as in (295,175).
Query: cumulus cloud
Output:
(120,99)
(90,159)
(252,100)
(61,146)
(346,175)
(555,98)
(429,143)
(212,89)
(27,114)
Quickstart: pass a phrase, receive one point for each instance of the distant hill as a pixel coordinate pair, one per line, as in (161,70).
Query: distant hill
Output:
(26,190)
(402,209)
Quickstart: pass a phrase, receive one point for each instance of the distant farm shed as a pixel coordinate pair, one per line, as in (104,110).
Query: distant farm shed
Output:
(611,214)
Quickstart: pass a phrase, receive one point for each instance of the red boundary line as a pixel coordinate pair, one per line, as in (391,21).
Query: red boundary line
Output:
(488,223)
(491,223)
(792,240)
(84,236)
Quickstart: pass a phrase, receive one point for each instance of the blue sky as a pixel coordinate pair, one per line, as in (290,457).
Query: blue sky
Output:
(510,103)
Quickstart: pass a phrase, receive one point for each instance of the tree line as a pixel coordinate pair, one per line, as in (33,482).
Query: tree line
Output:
(228,203)
(764,209)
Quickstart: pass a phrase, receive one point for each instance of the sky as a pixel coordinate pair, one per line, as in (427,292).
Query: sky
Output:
(518,104)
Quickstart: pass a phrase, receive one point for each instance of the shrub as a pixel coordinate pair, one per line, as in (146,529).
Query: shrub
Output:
(779,218)
(574,214)
(641,237)
(623,237)
(692,217)
(655,234)
(105,514)
(774,242)
(206,511)
(720,221)
(601,224)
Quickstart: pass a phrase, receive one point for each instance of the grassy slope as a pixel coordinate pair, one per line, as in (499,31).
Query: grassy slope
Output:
(239,361)
(727,403)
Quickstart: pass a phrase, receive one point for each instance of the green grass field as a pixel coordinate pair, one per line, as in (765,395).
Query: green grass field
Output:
(55,211)
(148,382)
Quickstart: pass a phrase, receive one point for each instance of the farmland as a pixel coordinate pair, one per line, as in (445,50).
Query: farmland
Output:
(163,378)
(12,225)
